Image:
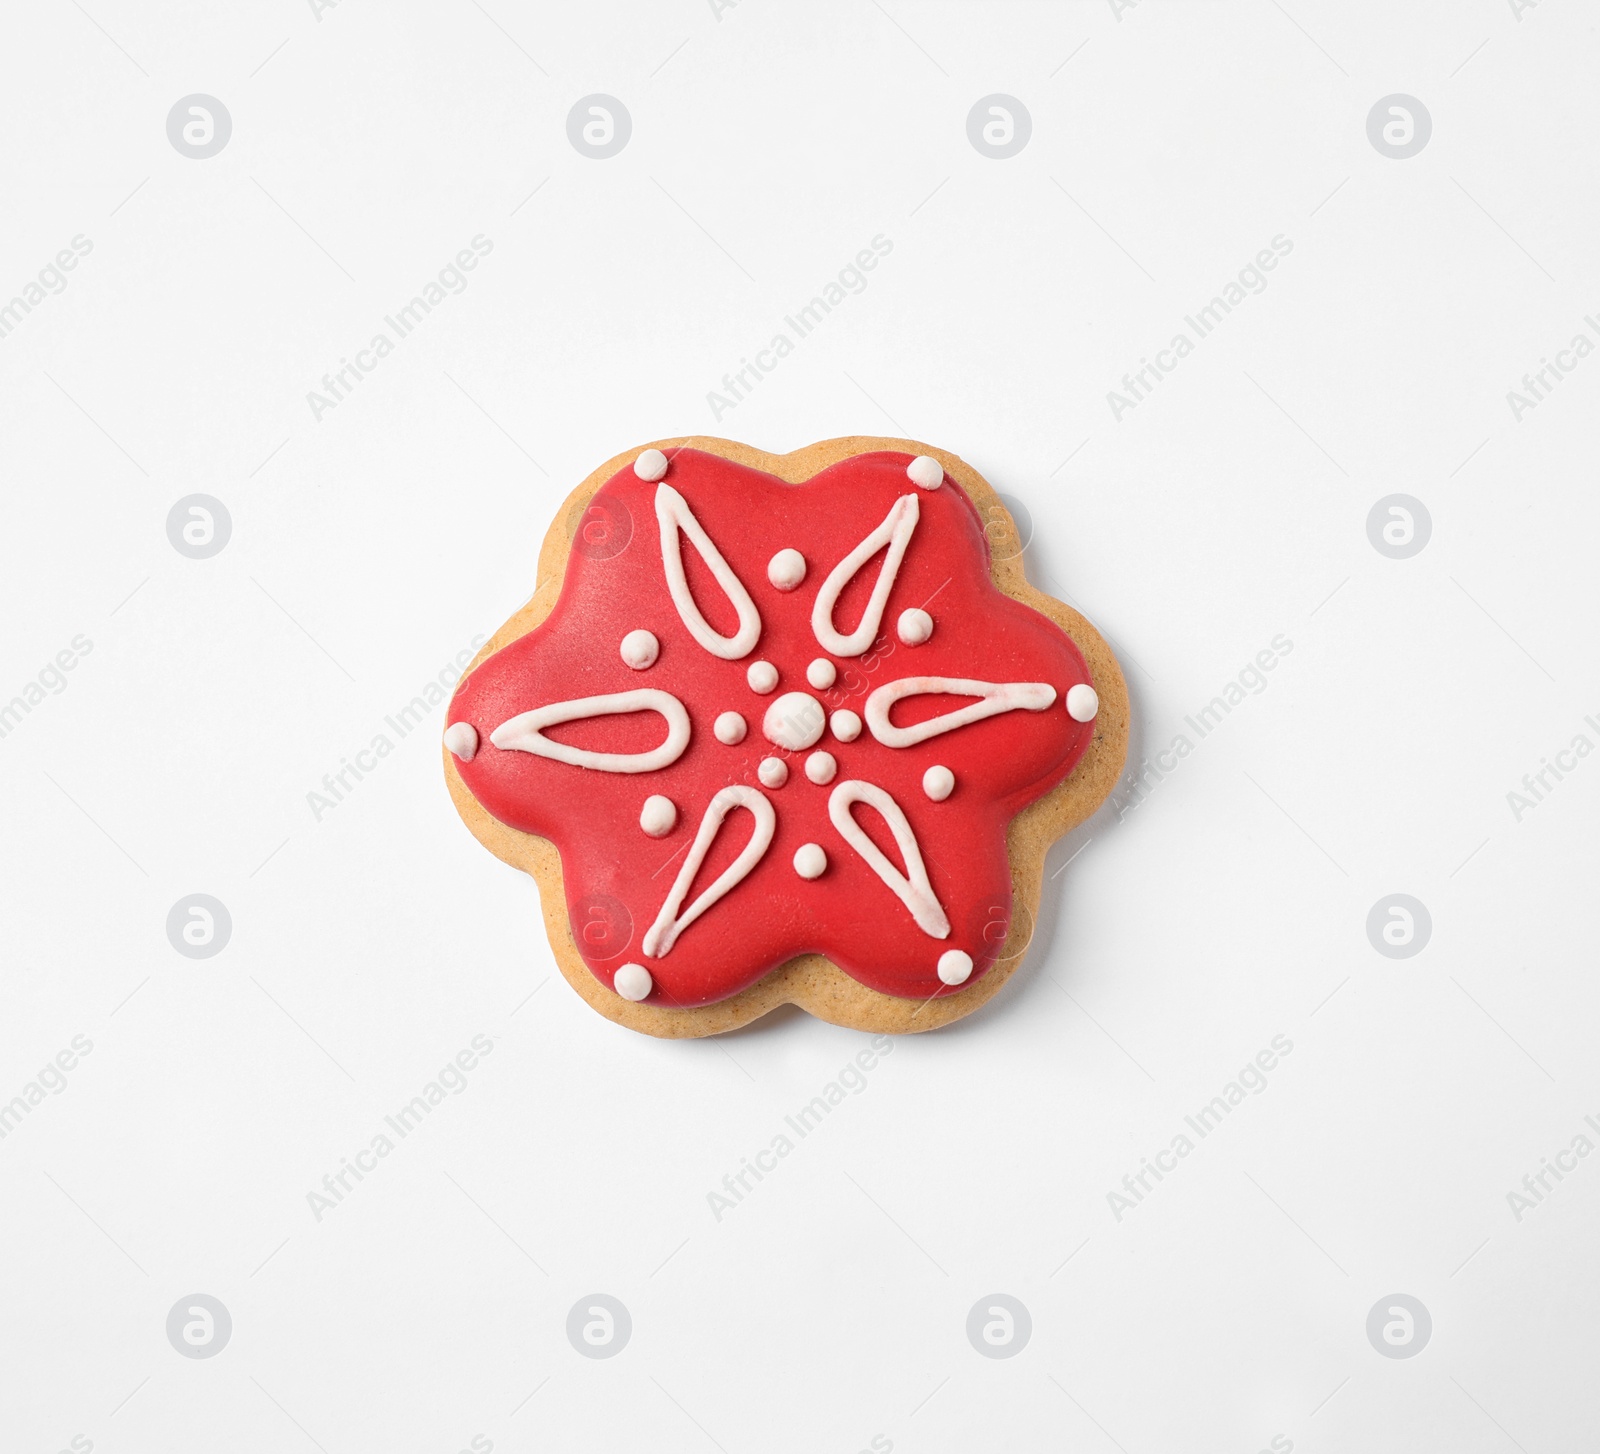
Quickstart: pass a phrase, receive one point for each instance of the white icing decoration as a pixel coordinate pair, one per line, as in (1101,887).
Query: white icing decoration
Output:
(786,569)
(795,720)
(633,982)
(895,533)
(524,732)
(729,728)
(1083,703)
(846,725)
(773,772)
(640,649)
(669,924)
(462,739)
(677,520)
(762,677)
(651,465)
(810,861)
(938,783)
(925,472)
(659,816)
(996,697)
(822,673)
(820,767)
(911,887)
(914,627)
(955,966)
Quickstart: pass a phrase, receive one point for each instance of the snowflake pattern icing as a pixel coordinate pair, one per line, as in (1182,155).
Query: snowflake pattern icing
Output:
(880,843)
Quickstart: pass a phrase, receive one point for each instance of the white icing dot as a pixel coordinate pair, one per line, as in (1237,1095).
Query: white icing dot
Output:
(729,728)
(773,772)
(659,816)
(462,739)
(915,626)
(1083,703)
(786,569)
(954,966)
(633,982)
(795,720)
(810,861)
(938,783)
(846,725)
(925,472)
(652,466)
(821,673)
(640,649)
(762,676)
(820,767)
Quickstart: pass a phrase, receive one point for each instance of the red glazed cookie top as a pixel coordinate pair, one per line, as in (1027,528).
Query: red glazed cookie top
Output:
(765,719)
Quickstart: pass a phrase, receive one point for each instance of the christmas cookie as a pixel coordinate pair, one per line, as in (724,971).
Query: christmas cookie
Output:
(785,729)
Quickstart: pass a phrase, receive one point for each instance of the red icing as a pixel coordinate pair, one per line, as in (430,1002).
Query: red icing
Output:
(617,877)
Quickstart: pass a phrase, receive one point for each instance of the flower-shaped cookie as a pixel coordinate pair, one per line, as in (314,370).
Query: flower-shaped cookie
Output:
(768,719)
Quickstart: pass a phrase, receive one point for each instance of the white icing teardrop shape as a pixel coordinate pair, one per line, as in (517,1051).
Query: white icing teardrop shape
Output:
(895,533)
(651,465)
(659,816)
(994,698)
(786,569)
(525,732)
(810,860)
(925,472)
(640,649)
(676,520)
(1083,703)
(795,721)
(669,924)
(911,887)
(462,739)
(914,626)
(633,982)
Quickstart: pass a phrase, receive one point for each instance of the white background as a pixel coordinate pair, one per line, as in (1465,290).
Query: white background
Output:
(770,143)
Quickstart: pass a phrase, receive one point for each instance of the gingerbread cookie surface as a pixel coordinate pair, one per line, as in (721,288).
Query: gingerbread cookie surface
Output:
(785,728)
